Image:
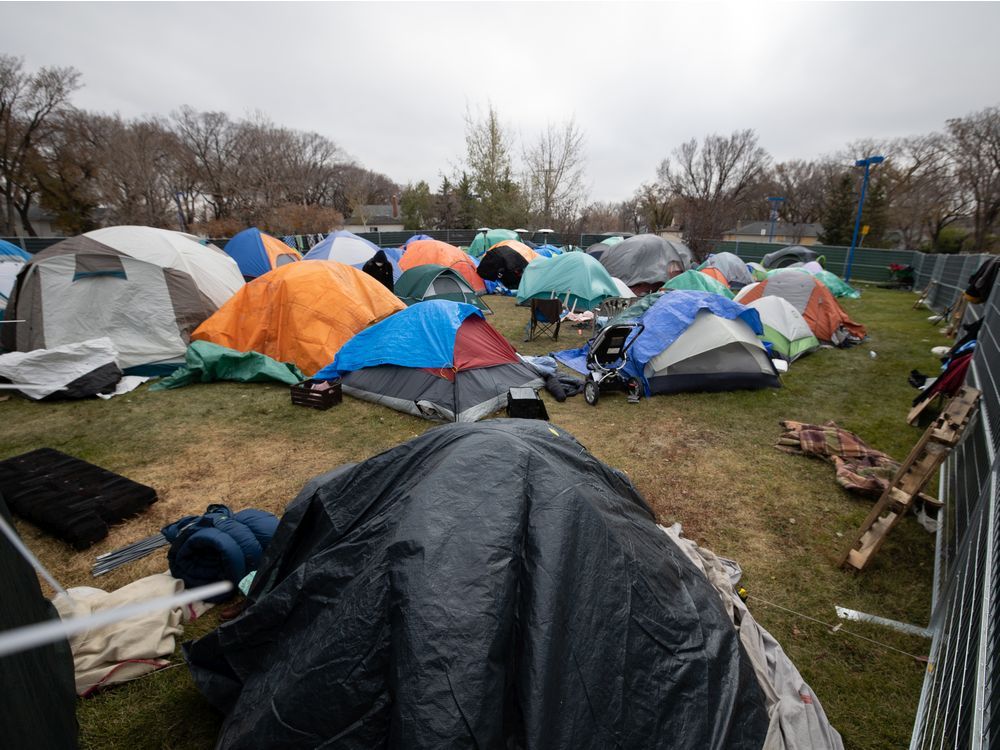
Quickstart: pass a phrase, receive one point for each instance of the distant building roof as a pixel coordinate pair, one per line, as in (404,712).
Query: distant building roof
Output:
(763,228)
(375,214)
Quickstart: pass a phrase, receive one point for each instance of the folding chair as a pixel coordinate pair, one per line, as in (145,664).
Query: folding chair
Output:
(611,308)
(545,317)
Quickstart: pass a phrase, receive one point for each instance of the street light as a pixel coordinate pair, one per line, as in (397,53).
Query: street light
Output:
(867,164)
(775,203)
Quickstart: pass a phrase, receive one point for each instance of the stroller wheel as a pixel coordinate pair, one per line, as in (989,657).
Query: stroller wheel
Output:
(591,392)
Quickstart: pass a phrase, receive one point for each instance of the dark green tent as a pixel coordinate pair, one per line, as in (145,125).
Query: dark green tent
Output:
(436,282)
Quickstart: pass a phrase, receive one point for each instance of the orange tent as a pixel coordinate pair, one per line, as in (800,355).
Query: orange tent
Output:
(427,252)
(300,312)
(813,300)
(716,274)
(523,250)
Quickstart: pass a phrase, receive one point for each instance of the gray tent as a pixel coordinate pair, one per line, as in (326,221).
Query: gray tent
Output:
(732,266)
(645,262)
(145,289)
(786,256)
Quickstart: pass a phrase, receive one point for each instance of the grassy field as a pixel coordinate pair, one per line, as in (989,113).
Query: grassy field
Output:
(706,461)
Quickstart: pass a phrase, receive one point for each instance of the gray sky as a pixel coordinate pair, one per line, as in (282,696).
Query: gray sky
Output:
(390,82)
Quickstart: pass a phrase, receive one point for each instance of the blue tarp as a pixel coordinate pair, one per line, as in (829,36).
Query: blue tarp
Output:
(664,323)
(419,336)
(9,250)
(548,251)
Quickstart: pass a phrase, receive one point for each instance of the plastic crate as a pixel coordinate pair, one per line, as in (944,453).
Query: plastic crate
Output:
(303,394)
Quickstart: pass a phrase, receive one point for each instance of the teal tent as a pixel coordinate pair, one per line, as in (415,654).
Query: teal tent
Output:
(578,279)
(479,246)
(698,282)
(433,281)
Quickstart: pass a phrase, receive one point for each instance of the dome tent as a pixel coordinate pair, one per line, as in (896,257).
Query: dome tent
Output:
(700,282)
(784,327)
(300,313)
(786,256)
(432,281)
(479,244)
(428,251)
(732,267)
(347,248)
(256,253)
(10,251)
(533,611)
(438,360)
(575,278)
(504,264)
(698,341)
(825,317)
(145,289)
(645,262)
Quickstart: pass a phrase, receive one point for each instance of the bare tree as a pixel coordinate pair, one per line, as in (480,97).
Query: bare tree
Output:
(212,144)
(28,102)
(135,183)
(555,175)
(974,145)
(714,182)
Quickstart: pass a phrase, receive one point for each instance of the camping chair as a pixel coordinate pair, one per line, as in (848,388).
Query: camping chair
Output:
(611,308)
(546,315)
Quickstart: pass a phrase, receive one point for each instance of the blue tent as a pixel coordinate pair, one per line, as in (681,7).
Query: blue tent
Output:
(257,253)
(10,251)
(346,247)
(694,341)
(438,360)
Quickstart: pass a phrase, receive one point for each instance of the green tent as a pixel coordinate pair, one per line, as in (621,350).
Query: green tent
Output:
(578,279)
(436,282)
(493,236)
(698,282)
(206,362)
(612,241)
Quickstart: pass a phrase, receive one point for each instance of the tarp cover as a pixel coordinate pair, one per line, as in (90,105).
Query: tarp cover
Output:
(206,362)
(672,314)
(90,367)
(402,606)
(420,336)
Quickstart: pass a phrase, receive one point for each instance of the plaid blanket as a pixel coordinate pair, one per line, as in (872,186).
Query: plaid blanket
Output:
(859,467)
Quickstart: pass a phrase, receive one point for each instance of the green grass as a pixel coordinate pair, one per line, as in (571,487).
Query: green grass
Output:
(706,461)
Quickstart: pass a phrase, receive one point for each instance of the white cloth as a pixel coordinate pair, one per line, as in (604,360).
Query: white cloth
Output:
(130,648)
(42,372)
(125,385)
(797,720)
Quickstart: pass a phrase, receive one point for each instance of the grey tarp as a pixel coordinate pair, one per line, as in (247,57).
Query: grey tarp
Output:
(485,585)
(732,266)
(788,255)
(646,260)
(797,719)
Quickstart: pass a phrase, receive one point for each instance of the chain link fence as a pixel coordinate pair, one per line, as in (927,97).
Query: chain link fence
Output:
(960,701)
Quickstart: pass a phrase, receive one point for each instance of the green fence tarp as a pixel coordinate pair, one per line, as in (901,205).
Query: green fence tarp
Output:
(207,362)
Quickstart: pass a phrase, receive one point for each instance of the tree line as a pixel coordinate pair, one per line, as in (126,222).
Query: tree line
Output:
(212,174)
(201,171)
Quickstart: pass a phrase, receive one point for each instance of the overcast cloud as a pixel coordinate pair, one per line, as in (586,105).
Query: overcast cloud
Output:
(390,82)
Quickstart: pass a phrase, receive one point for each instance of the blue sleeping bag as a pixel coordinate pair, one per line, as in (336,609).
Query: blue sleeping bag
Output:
(218,546)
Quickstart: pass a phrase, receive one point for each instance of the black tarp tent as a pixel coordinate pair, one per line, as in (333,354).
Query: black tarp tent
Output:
(486,585)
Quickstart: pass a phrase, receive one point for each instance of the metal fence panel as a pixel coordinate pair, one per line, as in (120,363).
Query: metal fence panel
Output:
(960,701)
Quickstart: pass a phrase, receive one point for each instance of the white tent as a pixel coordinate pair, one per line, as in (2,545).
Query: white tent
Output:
(785,327)
(623,291)
(712,354)
(145,289)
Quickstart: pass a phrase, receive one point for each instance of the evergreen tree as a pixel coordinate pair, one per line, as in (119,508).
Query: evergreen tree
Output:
(417,206)
(446,206)
(838,212)
(467,216)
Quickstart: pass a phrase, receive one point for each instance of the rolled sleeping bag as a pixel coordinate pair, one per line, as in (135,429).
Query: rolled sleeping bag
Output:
(218,546)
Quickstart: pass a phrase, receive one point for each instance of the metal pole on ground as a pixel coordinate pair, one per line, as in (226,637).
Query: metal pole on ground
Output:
(867,164)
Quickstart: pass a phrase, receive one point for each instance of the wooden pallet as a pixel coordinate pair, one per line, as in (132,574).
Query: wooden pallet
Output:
(914,473)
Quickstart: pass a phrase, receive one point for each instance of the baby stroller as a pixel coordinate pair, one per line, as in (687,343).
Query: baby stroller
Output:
(606,362)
